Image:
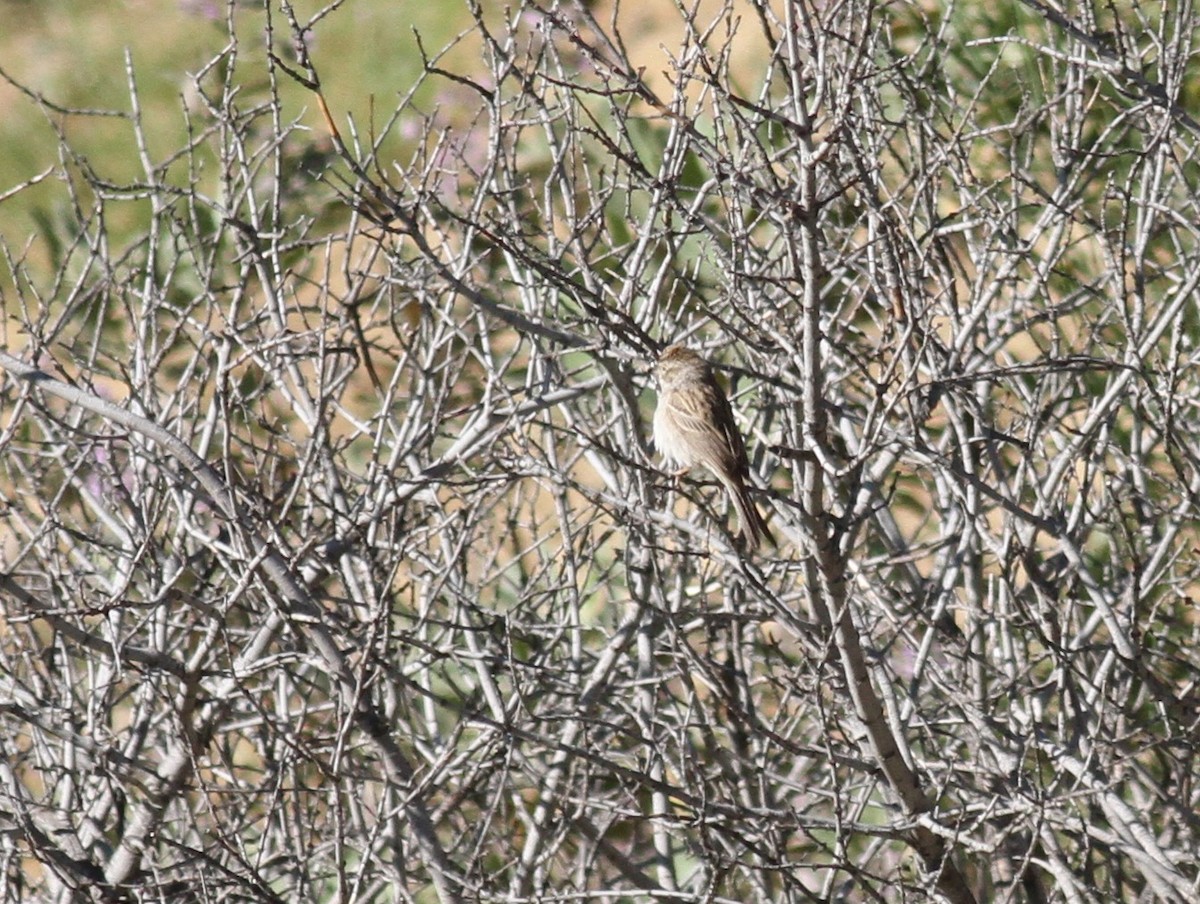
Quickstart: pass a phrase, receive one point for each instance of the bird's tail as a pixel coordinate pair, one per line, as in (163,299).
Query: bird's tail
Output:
(750,522)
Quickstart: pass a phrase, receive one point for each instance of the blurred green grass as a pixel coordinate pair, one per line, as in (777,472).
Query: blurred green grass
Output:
(72,53)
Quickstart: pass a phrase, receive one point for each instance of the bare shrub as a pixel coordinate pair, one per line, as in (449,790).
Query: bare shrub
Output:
(337,563)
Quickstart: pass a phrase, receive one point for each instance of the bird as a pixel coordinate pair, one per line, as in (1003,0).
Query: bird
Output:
(693,425)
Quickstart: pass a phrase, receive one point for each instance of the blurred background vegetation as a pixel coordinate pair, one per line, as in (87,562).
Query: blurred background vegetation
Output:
(72,56)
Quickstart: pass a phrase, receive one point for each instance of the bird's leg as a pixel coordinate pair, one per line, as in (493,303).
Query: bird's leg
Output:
(677,477)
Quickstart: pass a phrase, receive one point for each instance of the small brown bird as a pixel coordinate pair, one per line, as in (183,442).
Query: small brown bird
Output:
(693,425)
